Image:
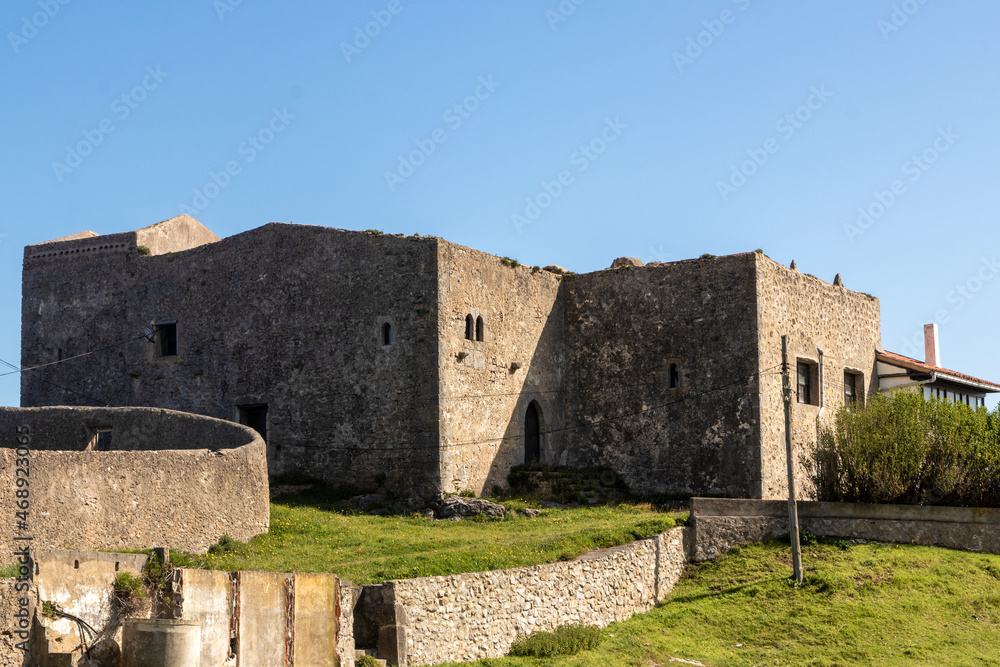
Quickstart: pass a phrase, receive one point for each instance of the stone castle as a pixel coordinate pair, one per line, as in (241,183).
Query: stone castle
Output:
(366,358)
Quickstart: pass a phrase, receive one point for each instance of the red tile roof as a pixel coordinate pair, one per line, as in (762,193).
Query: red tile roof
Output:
(914,364)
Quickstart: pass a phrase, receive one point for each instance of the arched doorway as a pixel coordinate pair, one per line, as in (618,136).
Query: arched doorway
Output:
(532,434)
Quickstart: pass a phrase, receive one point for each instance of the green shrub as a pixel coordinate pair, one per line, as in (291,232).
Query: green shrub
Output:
(565,640)
(128,587)
(227,545)
(143,250)
(10,571)
(512,263)
(903,448)
(366,660)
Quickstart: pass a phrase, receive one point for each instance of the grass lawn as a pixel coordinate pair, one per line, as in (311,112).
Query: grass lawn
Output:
(865,604)
(311,533)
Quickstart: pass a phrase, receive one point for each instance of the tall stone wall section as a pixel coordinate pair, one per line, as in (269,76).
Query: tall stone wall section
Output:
(289,316)
(486,386)
(10,606)
(169,479)
(470,616)
(624,330)
(815,315)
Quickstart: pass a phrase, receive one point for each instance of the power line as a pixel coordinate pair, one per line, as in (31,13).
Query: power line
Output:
(61,361)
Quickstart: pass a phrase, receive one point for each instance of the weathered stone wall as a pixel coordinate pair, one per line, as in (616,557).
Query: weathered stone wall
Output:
(721,524)
(486,386)
(169,479)
(470,616)
(289,316)
(815,315)
(624,329)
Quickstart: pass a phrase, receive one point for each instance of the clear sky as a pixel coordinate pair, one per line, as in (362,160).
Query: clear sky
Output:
(858,138)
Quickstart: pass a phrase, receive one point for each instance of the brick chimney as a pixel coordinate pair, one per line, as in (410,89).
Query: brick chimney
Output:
(932,353)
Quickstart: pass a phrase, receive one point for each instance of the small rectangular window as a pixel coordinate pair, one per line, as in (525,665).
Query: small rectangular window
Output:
(254,416)
(166,339)
(850,389)
(101,439)
(804,373)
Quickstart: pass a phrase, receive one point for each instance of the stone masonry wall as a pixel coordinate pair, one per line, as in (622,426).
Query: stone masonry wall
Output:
(624,329)
(169,479)
(289,316)
(486,386)
(470,616)
(815,315)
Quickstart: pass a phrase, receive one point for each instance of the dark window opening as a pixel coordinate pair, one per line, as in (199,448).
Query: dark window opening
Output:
(804,372)
(479,329)
(254,416)
(850,389)
(101,441)
(675,377)
(166,335)
(60,354)
(532,435)
(468,327)
(387,334)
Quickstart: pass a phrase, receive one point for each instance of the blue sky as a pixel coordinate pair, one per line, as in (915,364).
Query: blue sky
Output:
(855,137)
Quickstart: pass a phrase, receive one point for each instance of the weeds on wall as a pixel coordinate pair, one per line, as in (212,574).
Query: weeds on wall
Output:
(901,448)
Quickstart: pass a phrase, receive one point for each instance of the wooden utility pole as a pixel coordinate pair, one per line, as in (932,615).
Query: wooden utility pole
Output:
(793,512)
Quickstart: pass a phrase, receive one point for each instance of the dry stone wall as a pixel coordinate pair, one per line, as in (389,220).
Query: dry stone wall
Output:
(167,479)
(470,616)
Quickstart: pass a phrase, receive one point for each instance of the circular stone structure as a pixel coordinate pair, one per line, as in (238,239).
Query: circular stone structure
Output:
(129,478)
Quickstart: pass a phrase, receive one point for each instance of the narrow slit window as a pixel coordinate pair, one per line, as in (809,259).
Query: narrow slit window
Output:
(386,334)
(675,377)
(166,338)
(468,327)
(479,329)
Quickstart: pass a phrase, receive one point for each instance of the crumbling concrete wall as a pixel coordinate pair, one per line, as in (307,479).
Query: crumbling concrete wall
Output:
(815,315)
(470,616)
(264,618)
(287,316)
(625,328)
(167,479)
(486,386)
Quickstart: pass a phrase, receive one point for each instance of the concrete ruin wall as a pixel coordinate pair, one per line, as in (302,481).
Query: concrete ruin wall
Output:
(486,386)
(289,316)
(169,479)
(624,328)
(470,616)
(269,618)
(720,524)
(815,315)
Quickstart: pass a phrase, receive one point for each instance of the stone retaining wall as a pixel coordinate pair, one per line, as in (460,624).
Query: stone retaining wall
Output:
(10,655)
(721,524)
(470,616)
